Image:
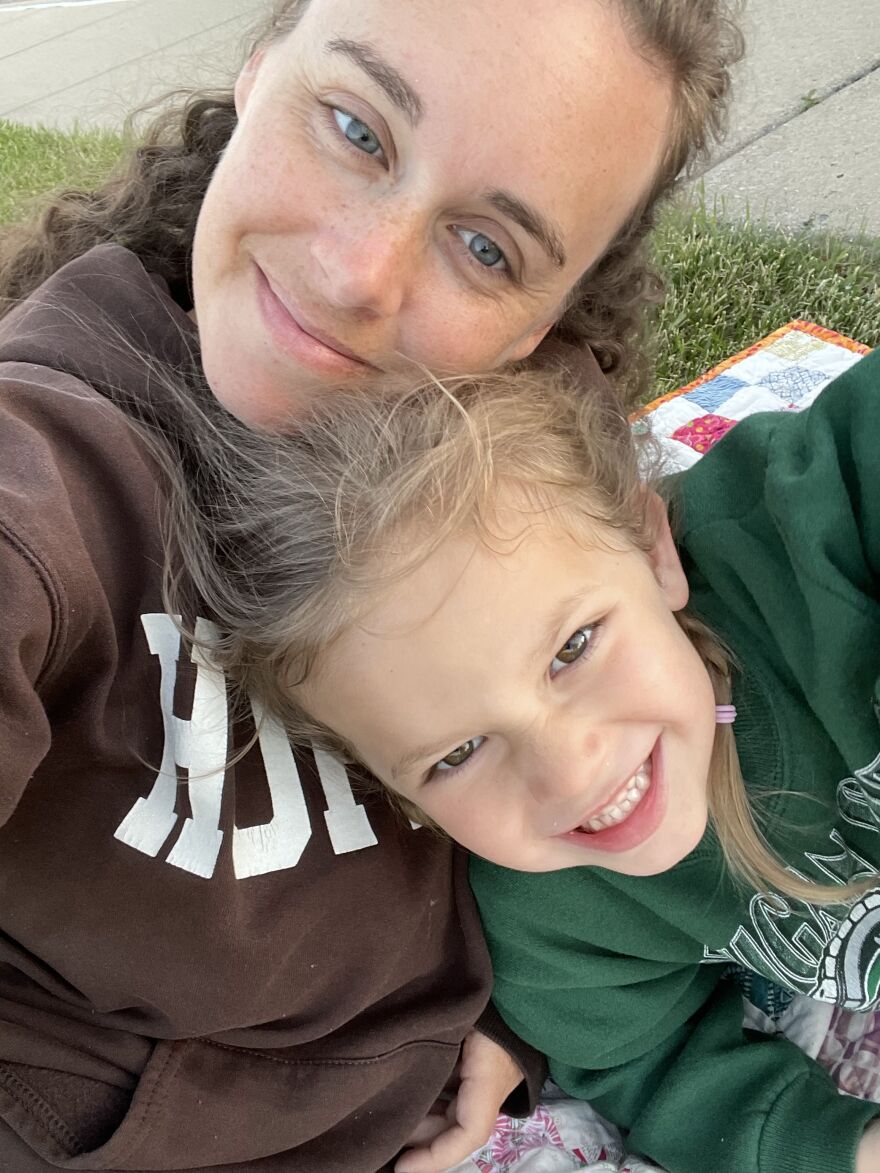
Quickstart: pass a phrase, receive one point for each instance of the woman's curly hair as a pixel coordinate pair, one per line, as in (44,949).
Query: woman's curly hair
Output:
(151,204)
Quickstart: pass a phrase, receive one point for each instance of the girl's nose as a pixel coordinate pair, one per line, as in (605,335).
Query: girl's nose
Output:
(366,265)
(565,760)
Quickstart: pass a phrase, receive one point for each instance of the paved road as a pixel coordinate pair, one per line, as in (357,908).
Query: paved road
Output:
(805,135)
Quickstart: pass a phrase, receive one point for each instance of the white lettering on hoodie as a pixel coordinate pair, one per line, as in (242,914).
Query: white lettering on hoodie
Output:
(201,746)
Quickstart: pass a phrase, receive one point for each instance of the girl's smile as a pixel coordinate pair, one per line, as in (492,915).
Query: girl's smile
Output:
(536,700)
(633,814)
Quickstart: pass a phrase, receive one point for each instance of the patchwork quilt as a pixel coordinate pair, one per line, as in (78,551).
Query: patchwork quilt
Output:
(783,372)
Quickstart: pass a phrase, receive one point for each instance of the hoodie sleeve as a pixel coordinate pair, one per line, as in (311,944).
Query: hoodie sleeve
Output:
(715,1096)
(26,637)
(782,518)
(56,534)
(30,611)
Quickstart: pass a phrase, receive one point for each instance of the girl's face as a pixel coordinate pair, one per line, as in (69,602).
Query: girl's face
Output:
(539,703)
(416,184)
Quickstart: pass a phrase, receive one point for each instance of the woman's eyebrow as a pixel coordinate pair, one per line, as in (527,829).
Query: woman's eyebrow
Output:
(397,89)
(537,226)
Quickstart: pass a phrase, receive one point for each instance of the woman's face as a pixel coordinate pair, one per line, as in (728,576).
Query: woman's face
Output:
(416,185)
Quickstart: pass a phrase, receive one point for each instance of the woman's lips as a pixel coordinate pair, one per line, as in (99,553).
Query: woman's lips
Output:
(297,338)
(641,823)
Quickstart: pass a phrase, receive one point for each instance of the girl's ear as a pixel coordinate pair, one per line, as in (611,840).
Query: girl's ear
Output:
(244,83)
(663,557)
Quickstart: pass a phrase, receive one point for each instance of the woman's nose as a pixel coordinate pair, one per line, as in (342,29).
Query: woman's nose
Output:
(365,265)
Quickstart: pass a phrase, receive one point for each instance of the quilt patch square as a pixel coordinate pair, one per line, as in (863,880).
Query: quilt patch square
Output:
(795,345)
(794,383)
(703,433)
(711,395)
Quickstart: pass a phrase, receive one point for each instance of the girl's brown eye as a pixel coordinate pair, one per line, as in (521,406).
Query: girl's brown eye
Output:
(573,648)
(459,755)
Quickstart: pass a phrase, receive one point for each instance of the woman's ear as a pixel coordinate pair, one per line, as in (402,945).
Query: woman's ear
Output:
(663,556)
(244,83)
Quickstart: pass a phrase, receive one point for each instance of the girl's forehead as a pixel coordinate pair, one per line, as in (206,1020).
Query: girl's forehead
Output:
(508,555)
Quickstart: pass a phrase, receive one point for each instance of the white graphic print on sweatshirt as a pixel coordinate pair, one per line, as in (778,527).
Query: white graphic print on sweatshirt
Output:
(201,746)
(829,953)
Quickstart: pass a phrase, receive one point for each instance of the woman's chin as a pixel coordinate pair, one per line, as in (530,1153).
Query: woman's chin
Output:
(256,399)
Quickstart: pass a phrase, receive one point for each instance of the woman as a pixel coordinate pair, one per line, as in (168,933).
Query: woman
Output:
(220,957)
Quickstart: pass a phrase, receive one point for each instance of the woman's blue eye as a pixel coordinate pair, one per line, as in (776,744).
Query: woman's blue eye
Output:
(483,249)
(573,648)
(358,133)
(459,755)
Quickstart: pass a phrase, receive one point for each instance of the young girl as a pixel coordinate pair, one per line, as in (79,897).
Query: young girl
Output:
(663,751)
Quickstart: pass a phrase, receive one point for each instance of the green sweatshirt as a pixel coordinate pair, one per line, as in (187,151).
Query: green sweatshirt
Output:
(619,979)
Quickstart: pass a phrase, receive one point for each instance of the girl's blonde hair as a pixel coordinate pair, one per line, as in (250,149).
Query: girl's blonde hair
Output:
(288,540)
(151,205)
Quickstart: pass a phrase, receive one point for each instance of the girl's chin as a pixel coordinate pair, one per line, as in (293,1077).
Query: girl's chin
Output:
(669,852)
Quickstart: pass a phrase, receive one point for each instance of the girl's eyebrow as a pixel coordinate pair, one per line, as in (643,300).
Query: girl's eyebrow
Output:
(397,89)
(563,612)
(421,753)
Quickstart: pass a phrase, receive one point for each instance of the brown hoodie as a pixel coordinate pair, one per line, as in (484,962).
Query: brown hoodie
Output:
(253,970)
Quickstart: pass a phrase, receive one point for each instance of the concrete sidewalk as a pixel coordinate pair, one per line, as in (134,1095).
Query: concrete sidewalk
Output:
(93,61)
(804,147)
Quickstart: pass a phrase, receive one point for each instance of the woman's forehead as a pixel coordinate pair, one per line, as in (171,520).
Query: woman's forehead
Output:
(578,50)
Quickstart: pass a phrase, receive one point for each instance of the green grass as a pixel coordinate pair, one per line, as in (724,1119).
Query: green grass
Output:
(728,283)
(33,160)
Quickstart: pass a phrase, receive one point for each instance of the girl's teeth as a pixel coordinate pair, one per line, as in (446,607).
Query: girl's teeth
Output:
(625,802)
